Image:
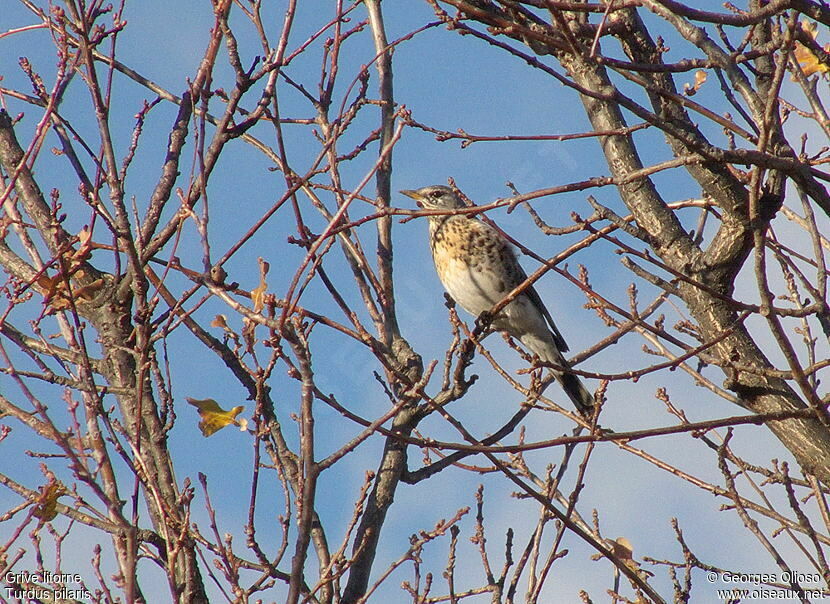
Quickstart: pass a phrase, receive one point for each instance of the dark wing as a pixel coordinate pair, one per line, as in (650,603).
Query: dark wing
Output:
(534,297)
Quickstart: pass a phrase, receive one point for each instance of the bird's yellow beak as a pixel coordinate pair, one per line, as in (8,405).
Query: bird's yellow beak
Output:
(414,195)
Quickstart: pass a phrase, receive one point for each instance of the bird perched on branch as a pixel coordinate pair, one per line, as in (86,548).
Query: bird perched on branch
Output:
(479,268)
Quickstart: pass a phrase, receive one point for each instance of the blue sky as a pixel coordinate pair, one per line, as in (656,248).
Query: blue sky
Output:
(448,82)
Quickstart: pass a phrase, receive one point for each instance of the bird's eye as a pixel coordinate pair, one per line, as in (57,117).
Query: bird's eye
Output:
(436,194)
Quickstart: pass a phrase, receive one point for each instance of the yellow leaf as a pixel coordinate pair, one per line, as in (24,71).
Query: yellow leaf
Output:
(258,294)
(700,79)
(624,551)
(47,502)
(809,28)
(808,60)
(622,548)
(214,418)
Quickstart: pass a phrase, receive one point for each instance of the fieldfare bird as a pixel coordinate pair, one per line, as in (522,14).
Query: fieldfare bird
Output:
(478,268)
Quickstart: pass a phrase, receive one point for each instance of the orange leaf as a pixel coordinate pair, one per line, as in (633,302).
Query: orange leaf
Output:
(85,248)
(56,296)
(214,418)
(220,321)
(47,502)
(89,291)
(47,285)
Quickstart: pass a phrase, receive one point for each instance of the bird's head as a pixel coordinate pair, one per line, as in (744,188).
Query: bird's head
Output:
(435,197)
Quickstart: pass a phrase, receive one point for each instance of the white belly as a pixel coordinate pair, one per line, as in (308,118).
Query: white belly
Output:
(477,291)
(474,290)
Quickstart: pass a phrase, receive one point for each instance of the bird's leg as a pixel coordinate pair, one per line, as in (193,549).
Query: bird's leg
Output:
(483,322)
(448,301)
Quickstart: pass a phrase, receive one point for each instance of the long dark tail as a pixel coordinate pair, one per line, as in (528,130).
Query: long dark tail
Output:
(546,348)
(582,399)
